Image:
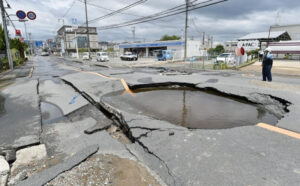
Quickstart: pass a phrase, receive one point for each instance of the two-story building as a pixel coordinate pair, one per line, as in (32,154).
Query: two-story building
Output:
(67,36)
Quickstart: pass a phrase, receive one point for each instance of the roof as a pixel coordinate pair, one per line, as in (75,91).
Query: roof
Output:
(262,35)
(153,44)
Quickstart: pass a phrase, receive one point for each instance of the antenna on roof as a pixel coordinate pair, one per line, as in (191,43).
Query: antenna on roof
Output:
(277,19)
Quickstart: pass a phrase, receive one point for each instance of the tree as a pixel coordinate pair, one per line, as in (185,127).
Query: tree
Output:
(168,38)
(17,44)
(219,49)
(2,39)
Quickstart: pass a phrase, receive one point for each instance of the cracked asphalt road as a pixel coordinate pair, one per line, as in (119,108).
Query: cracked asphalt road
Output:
(173,155)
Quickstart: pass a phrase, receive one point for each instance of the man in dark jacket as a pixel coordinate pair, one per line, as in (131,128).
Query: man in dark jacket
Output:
(267,65)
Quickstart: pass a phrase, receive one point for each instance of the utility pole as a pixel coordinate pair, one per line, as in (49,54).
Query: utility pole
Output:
(31,48)
(87,28)
(186,28)
(10,60)
(203,40)
(133,33)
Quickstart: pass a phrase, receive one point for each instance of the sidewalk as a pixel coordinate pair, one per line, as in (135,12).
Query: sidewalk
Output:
(288,68)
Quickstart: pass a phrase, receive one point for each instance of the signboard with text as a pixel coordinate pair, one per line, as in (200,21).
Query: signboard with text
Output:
(249,45)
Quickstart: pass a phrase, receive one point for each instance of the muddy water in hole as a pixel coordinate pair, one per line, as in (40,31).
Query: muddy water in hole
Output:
(50,113)
(192,108)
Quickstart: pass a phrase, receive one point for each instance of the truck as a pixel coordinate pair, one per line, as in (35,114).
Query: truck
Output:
(164,55)
(129,56)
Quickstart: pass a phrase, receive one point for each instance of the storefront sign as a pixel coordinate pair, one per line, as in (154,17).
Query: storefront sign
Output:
(249,45)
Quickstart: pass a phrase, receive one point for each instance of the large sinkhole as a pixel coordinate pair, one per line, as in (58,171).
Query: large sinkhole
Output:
(192,108)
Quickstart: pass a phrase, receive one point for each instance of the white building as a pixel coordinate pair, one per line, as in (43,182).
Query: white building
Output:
(293,30)
(148,49)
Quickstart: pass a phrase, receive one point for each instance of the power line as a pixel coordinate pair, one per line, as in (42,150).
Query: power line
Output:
(104,8)
(170,12)
(68,10)
(10,20)
(143,19)
(119,11)
(123,13)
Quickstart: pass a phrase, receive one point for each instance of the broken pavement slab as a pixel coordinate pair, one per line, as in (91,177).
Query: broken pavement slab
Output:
(20,125)
(4,171)
(27,155)
(92,84)
(61,95)
(50,173)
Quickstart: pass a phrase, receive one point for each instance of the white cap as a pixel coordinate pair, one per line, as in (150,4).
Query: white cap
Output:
(268,49)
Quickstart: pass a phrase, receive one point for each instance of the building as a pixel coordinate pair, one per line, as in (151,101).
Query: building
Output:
(66,39)
(259,40)
(293,30)
(103,45)
(230,46)
(286,49)
(148,49)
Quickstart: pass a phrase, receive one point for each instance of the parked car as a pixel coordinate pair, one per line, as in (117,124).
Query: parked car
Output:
(85,56)
(164,55)
(228,58)
(45,54)
(102,56)
(129,56)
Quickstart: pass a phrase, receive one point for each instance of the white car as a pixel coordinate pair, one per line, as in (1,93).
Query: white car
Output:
(102,56)
(228,58)
(129,56)
(85,56)
(45,54)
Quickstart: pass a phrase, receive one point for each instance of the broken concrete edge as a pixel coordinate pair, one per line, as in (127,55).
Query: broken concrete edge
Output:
(104,66)
(97,128)
(153,173)
(127,130)
(52,172)
(4,171)
(89,99)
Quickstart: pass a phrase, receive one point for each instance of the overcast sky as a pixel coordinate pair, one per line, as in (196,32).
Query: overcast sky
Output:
(226,21)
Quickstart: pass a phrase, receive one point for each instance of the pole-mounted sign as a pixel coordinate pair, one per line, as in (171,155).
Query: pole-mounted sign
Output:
(31,15)
(21,14)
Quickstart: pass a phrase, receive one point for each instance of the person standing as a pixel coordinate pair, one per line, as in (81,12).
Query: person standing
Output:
(267,65)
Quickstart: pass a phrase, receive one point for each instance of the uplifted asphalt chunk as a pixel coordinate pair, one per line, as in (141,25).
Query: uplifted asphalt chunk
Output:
(97,127)
(49,174)
(62,95)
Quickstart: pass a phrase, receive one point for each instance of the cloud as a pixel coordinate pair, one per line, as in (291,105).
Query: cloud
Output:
(225,21)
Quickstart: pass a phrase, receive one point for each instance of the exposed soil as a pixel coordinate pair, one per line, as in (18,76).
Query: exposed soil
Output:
(106,170)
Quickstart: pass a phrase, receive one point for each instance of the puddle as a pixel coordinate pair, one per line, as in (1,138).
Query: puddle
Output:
(50,113)
(192,108)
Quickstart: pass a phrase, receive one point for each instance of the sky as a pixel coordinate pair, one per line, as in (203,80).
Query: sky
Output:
(226,21)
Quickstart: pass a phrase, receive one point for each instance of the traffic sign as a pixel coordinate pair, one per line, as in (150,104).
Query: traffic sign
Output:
(18,33)
(21,14)
(74,21)
(242,51)
(31,15)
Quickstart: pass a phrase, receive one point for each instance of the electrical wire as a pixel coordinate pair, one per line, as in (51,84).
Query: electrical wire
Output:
(123,13)
(119,11)
(167,13)
(10,20)
(68,10)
